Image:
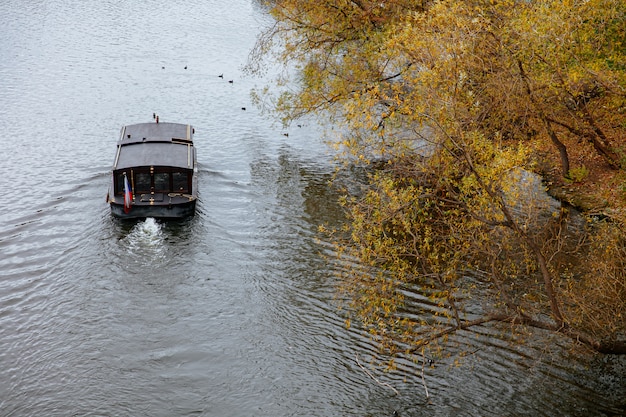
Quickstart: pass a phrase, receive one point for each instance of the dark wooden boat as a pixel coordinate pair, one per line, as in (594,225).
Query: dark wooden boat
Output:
(154,173)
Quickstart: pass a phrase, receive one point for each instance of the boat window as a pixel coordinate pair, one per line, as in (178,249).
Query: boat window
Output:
(142,182)
(162,182)
(119,183)
(180,182)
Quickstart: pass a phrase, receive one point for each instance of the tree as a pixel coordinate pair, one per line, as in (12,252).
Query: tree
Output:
(459,99)
(574,71)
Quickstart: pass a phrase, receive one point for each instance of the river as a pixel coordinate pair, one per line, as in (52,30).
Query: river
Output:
(231,312)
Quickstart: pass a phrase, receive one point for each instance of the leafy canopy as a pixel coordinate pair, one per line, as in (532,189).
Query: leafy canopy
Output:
(453,104)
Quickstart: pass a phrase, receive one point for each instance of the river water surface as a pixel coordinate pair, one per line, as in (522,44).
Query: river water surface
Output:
(232,312)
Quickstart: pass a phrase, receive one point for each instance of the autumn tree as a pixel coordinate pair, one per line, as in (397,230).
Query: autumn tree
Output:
(457,102)
(576,69)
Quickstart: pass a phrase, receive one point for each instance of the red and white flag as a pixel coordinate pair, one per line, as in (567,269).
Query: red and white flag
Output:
(128,197)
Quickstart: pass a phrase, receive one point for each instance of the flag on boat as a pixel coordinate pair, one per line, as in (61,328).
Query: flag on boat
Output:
(128,197)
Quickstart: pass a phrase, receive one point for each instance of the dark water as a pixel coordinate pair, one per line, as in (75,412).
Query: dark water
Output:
(230,313)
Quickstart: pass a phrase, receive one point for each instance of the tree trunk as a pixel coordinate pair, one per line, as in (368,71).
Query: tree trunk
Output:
(617,347)
(551,133)
(559,146)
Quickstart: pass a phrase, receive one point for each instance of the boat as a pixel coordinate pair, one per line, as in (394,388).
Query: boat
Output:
(155,172)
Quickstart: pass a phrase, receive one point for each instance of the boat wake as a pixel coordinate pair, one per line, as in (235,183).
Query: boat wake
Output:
(145,242)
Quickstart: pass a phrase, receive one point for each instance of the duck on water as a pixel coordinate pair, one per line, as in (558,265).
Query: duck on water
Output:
(155,172)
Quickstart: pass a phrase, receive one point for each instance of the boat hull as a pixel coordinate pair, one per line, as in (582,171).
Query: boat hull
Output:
(161,211)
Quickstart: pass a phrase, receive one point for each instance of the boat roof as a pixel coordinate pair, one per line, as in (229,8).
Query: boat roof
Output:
(155,144)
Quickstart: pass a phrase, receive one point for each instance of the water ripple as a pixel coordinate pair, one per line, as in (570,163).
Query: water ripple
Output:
(232,312)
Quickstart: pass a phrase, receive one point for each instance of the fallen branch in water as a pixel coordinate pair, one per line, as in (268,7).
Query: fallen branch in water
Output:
(423,378)
(356,356)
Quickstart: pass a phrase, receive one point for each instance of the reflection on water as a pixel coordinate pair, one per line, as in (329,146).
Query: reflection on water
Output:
(231,312)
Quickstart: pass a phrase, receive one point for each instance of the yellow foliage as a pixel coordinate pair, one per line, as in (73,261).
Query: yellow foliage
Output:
(457,98)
